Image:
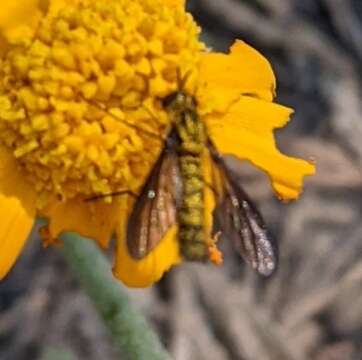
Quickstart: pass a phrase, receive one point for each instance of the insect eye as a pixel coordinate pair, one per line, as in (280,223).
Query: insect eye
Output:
(169,100)
(191,102)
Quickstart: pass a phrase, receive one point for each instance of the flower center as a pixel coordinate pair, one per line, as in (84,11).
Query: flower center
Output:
(79,99)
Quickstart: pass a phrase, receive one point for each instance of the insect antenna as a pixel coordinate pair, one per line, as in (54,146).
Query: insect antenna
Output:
(116,193)
(181,81)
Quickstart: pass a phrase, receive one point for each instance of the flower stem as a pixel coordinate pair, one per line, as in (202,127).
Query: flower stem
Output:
(130,332)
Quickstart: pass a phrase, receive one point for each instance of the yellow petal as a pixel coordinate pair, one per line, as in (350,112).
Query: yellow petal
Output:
(175,2)
(211,176)
(17,211)
(19,18)
(53,6)
(224,77)
(95,219)
(145,272)
(246,131)
(209,198)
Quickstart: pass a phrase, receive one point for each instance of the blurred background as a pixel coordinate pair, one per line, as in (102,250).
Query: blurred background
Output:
(312,307)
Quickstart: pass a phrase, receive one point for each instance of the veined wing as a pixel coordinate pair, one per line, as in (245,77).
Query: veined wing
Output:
(239,220)
(155,209)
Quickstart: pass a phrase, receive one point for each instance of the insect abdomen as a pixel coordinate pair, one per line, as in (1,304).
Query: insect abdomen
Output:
(191,134)
(191,213)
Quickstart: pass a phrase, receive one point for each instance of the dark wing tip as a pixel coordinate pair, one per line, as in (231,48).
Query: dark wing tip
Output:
(266,254)
(267,267)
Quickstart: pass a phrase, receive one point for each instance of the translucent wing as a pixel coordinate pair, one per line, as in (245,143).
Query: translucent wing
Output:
(239,220)
(155,209)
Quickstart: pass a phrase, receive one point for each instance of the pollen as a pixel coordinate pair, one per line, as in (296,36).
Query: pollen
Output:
(81,97)
(215,255)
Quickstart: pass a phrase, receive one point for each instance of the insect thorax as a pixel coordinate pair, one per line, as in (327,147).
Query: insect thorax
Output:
(192,142)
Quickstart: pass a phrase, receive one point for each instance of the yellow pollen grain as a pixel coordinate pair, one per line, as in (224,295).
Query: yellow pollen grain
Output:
(40,122)
(63,57)
(155,47)
(106,84)
(89,89)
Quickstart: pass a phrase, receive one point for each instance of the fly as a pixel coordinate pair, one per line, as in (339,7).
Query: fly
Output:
(174,194)
(177,186)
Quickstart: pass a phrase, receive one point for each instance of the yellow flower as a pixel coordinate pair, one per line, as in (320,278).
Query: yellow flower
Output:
(81,84)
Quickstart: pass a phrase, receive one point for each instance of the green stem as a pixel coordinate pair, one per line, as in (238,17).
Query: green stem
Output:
(130,332)
(52,353)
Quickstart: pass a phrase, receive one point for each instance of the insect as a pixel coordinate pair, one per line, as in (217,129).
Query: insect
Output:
(174,194)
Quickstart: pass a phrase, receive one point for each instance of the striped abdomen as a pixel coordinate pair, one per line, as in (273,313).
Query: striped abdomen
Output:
(191,212)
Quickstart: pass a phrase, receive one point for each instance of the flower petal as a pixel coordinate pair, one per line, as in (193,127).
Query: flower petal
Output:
(175,2)
(54,6)
(224,77)
(209,197)
(19,18)
(17,211)
(246,132)
(96,220)
(145,272)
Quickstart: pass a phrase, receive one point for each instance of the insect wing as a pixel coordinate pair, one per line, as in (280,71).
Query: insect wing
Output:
(238,219)
(155,209)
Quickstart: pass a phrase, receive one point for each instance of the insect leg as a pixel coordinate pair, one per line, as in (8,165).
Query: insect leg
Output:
(116,193)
